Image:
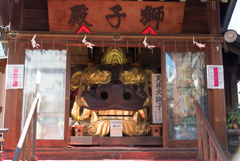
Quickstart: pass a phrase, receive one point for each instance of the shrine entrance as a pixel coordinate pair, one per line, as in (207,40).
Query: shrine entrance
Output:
(111,97)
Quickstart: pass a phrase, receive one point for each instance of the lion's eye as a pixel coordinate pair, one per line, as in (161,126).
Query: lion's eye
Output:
(127,96)
(104,95)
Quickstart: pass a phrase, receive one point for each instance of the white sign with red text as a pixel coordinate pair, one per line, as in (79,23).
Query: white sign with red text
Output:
(215,77)
(14,76)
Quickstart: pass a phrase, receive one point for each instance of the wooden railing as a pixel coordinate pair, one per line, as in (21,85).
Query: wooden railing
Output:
(30,125)
(213,142)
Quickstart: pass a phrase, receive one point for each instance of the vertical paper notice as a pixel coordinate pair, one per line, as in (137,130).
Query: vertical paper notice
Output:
(156,98)
(116,128)
(14,76)
(215,77)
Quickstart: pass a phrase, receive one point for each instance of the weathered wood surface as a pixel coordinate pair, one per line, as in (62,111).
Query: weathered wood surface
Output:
(4,12)
(12,104)
(59,14)
(213,142)
(105,152)
(3,63)
(89,140)
(67,96)
(219,110)
(164,99)
(195,18)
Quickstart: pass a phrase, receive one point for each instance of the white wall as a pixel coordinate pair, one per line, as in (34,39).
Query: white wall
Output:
(2,98)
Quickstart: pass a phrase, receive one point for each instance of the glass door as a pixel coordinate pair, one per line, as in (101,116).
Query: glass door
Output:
(46,79)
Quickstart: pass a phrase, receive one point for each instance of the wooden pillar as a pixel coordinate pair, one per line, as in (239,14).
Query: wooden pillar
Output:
(218,95)
(13,102)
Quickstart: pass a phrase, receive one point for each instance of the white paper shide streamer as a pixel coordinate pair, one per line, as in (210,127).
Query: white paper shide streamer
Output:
(34,43)
(200,45)
(146,44)
(89,45)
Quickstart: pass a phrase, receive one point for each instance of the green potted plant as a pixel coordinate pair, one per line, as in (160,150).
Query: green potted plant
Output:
(233,122)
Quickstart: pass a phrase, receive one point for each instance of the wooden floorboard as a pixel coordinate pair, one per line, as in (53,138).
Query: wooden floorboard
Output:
(88,140)
(108,153)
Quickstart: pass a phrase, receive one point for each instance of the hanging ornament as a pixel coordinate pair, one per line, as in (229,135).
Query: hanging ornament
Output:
(34,43)
(127,44)
(146,44)
(163,46)
(102,45)
(53,42)
(175,45)
(83,28)
(89,45)
(28,41)
(149,30)
(200,45)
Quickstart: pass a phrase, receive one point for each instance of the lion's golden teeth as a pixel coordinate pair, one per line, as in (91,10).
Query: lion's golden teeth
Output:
(111,112)
(136,117)
(119,112)
(94,117)
(86,113)
(143,113)
(126,112)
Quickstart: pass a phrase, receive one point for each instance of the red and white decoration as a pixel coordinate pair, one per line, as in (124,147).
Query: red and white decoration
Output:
(34,43)
(146,44)
(200,45)
(88,44)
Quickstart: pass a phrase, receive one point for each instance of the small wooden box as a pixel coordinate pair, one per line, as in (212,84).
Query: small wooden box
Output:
(156,130)
(70,131)
(79,130)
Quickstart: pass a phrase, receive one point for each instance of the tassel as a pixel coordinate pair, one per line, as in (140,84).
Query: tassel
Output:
(80,43)
(127,44)
(53,42)
(151,45)
(175,46)
(163,46)
(139,46)
(15,45)
(28,41)
(41,42)
(67,42)
(102,45)
(225,47)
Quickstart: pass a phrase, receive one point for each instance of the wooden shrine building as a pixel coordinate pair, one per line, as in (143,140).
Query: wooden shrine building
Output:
(115,79)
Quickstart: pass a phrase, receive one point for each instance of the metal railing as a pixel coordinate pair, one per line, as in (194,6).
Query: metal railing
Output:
(31,124)
(2,141)
(213,142)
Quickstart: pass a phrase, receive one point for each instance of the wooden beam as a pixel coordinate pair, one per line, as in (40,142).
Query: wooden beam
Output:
(16,15)
(3,63)
(218,95)
(89,140)
(13,102)
(4,12)
(2,70)
(233,48)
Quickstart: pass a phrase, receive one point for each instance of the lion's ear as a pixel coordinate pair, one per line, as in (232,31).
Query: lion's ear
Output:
(76,73)
(149,71)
